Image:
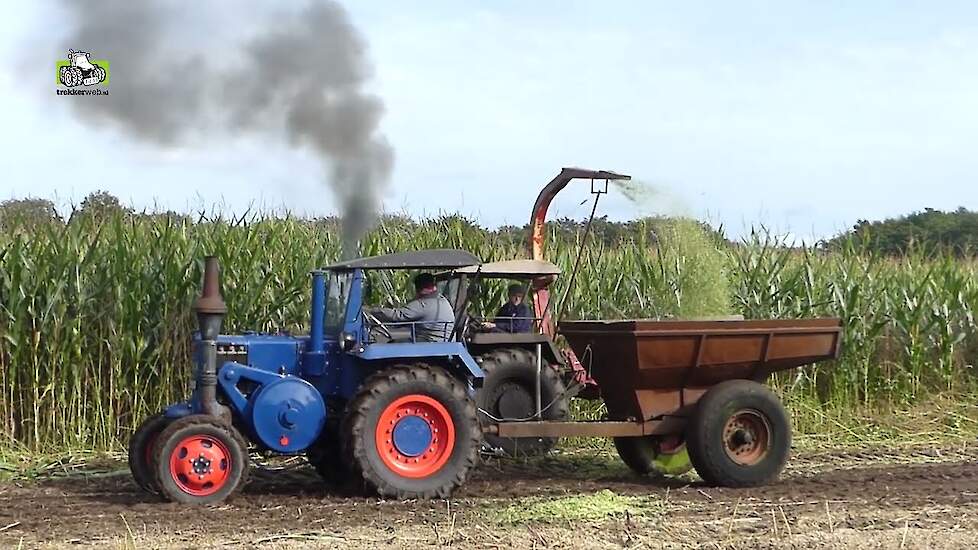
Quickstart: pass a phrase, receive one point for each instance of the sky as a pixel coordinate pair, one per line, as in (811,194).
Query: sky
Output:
(803,117)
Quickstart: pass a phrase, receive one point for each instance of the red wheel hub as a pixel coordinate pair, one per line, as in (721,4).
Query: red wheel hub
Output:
(415,436)
(200,465)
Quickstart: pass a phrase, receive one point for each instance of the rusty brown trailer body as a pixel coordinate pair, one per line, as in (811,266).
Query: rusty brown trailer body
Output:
(651,373)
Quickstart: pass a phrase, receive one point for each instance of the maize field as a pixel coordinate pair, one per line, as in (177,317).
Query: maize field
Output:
(95,314)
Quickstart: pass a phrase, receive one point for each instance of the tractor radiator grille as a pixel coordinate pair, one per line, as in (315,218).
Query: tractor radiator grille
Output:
(232,352)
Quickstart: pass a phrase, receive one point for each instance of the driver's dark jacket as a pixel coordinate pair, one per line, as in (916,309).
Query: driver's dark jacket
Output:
(433,316)
(513,318)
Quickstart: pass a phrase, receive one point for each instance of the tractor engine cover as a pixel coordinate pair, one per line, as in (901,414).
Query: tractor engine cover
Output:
(287,415)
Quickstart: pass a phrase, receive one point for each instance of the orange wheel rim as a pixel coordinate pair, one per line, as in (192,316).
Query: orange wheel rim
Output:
(200,465)
(415,436)
(747,437)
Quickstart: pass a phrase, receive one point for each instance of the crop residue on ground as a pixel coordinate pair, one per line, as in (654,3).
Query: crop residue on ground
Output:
(603,504)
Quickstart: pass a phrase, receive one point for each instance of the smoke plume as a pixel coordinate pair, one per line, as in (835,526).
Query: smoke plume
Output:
(299,80)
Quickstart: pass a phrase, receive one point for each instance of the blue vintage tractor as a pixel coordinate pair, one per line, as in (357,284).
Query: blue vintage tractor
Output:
(398,414)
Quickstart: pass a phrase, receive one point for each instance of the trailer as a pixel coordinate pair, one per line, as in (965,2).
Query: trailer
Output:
(698,383)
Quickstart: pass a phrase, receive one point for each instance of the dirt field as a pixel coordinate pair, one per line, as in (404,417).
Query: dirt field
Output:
(912,498)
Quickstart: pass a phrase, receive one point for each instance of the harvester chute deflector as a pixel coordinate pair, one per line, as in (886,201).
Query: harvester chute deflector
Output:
(538,222)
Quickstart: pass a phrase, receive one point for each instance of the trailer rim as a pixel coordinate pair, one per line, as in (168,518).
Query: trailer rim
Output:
(747,437)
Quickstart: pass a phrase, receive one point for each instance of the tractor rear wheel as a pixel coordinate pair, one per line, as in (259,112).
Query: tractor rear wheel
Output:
(200,460)
(412,432)
(653,454)
(141,452)
(508,392)
(739,435)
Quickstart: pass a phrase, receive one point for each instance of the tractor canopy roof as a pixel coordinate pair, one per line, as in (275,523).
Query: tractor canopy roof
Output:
(507,269)
(435,258)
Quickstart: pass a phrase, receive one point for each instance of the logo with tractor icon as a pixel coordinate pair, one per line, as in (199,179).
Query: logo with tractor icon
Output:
(80,70)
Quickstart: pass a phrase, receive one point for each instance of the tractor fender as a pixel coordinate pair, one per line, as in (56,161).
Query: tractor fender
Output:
(453,352)
(551,353)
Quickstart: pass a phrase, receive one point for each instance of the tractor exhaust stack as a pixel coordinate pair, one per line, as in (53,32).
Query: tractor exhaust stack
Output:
(210,308)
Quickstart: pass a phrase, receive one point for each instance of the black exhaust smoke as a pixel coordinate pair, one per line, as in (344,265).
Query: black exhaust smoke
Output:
(298,79)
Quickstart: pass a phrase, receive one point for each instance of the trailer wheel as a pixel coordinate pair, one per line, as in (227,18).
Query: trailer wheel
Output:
(411,432)
(141,452)
(739,435)
(653,454)
(200,460)
(509,392)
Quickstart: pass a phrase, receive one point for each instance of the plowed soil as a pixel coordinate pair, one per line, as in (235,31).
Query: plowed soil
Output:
(910,498)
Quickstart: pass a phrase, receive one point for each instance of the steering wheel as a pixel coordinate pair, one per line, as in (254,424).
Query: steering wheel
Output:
(477,325)
(381,327)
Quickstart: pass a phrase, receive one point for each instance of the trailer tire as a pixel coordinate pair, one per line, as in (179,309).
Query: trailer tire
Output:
(141,452)
(213,440)
(511,374)
(411,432)
(739,435)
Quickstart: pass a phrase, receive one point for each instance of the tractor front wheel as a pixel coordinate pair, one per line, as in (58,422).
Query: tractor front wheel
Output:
(141,452)
(411,432)
(200,460)
(739,435)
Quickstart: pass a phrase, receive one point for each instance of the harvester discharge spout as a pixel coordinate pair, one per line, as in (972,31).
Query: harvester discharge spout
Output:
(538,227)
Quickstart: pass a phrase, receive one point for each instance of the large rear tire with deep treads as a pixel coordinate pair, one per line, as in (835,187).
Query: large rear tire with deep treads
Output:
(411,432)
(199,459)
(141,452)
(739,435)
(508,392)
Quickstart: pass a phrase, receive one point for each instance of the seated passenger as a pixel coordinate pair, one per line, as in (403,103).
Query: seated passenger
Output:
(430,311)
(514,316)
